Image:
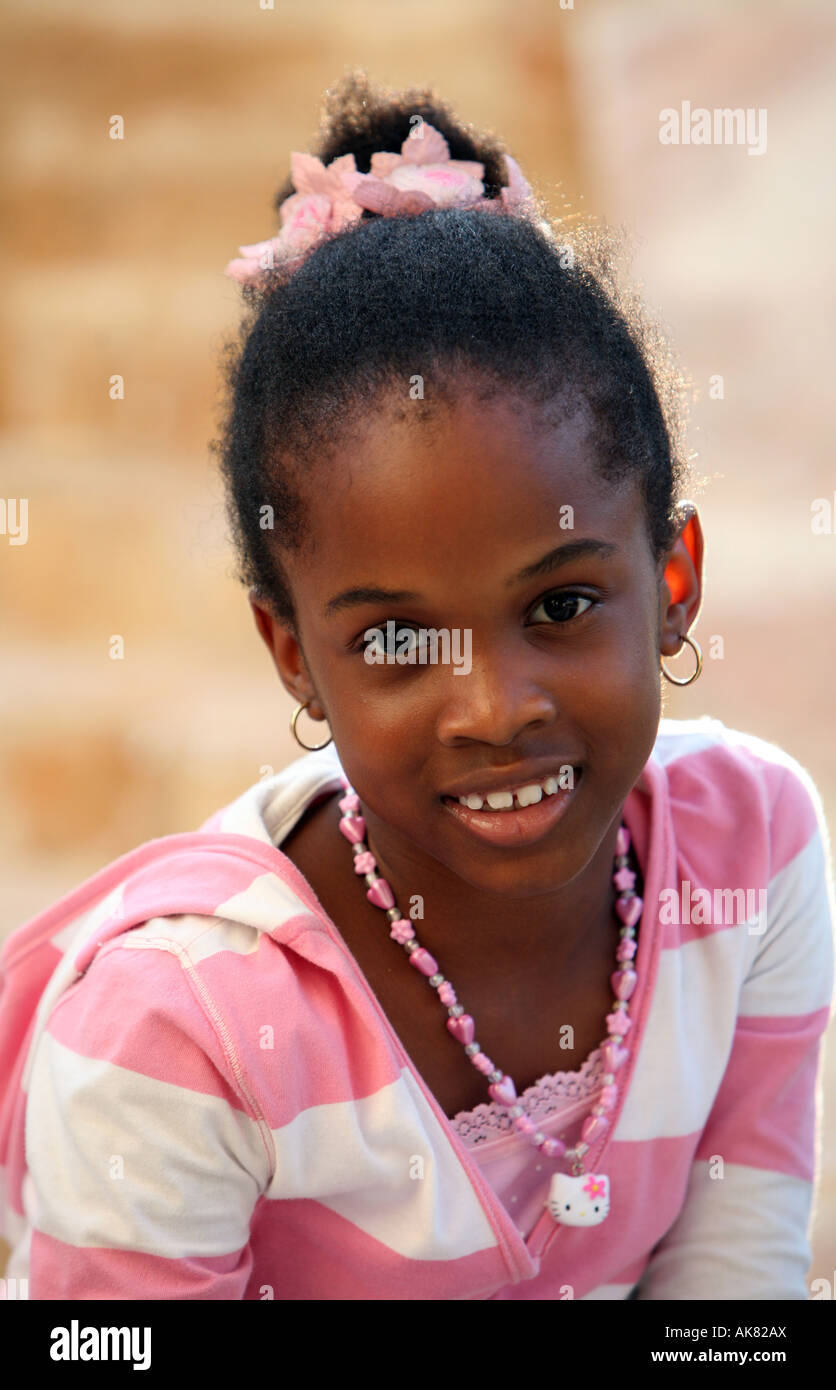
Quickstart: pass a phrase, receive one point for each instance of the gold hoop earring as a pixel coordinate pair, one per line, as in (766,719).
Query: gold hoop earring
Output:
(675,680)
(293,718)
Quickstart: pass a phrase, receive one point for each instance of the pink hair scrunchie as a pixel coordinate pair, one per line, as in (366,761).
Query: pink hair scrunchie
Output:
(330,197)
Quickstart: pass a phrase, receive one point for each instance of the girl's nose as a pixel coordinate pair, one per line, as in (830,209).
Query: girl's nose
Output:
(498,698)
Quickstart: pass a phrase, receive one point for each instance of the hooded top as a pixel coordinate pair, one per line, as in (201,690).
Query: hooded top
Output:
(203,1098)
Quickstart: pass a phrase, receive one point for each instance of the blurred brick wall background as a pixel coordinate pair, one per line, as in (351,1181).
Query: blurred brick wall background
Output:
(114,259)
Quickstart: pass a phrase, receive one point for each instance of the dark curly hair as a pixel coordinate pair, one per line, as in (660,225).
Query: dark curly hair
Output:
(458,297)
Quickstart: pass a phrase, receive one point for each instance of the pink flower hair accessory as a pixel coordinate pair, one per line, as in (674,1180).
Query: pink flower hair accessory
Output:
(331,197)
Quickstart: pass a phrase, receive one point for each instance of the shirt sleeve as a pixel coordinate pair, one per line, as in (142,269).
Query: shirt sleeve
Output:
(744,1229)
(145,1155)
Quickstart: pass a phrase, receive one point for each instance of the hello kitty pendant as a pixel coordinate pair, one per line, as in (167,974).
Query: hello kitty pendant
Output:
(579,1201)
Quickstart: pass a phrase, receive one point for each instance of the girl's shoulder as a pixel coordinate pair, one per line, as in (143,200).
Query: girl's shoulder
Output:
(722,771)
(681,737)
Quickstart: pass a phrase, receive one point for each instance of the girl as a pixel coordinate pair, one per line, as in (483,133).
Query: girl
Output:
(511,988)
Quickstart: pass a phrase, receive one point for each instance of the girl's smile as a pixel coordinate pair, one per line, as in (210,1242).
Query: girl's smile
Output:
(457,518)
(519,822)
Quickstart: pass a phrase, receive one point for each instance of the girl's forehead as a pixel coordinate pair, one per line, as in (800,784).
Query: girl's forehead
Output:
(471,494)
(478,468)
(486,428)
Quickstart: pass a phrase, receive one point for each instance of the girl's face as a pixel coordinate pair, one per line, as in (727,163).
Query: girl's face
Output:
(486,518)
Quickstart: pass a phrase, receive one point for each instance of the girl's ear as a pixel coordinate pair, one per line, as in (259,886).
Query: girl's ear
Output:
(681,581)
(288,658)
(692,539)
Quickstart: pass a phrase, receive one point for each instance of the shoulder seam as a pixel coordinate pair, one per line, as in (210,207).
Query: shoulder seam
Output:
(213,1016)
(216,1021)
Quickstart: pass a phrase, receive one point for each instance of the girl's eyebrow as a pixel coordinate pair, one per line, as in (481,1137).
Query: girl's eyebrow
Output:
(349,598)
(563,555)
(547,564)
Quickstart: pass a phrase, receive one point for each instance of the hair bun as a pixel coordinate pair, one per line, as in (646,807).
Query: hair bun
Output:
(362,117)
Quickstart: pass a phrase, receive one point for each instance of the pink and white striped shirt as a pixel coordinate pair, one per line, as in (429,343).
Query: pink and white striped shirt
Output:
(211,1103)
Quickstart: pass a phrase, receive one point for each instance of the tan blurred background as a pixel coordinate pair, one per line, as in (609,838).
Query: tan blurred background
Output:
(115,251)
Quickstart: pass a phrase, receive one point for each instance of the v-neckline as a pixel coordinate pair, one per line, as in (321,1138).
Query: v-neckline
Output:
(523,1254)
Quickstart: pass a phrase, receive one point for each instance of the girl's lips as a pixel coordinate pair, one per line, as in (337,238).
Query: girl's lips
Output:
(514,828)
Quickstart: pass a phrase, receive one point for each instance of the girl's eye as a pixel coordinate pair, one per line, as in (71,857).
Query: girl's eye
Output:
(386,641)
(555,606)
(405,641)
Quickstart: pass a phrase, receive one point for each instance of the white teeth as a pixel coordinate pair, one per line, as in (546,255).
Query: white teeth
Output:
(529,796)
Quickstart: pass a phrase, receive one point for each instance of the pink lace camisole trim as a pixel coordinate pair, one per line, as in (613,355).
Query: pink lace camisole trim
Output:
(553,1093)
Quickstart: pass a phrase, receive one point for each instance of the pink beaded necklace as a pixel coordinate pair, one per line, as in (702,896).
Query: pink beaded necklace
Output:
(579,1198)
